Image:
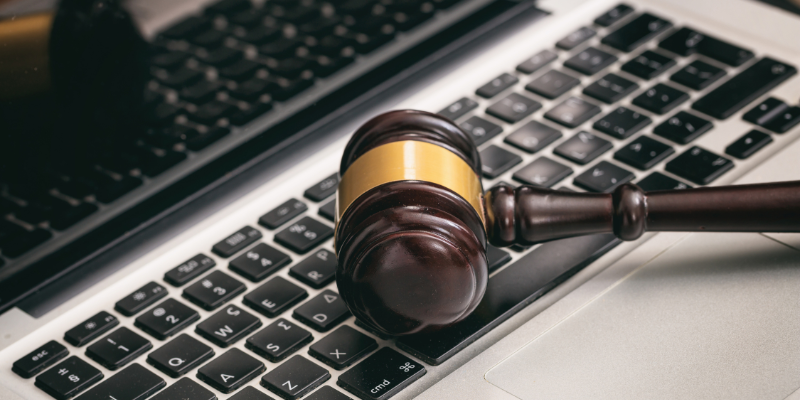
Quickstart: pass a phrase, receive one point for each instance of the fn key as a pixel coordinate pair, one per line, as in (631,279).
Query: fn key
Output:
(382,375)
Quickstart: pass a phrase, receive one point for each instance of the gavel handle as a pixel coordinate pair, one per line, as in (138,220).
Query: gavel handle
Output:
(529,215)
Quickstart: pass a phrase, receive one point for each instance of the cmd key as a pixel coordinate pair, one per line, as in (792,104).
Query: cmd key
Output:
(132,383)
(381,375)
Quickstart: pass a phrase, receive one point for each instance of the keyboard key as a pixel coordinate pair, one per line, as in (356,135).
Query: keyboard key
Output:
(227,326)
(166,319)
(140,299)
(342,347)
(180,355)
(317,270)
(282,214)
(533,136)
(536,62)
(239,71)
(583,148)
(621,123)
(748,144)
(230,371)
(572,112)
(698,75)
(237,241)
(210,112)
(496,258)
(610,88)
(575,38)
(765,111)
(643,153)
(458,109)
(497,161)
(213,290)
(118,348)
(39,359)
(660,99)
(279,340)
(497,85)
(181,78)
(659,181)
(295,378)
(322,190)
(742,89)
(513,108)
(259,262)
(636,32)
(205,139)
(382,375)
(68,378)
(683,127)
(222,56)
(250,393)
(687,41)
(480,129)
(327,393)
(328,210)
(189,270)
(274,297)
(304,235)
(699,165)
(784,121)
(613,15)
(90,329)
(542,172)
(185,389)
(201,92)
(323,312)
(552,84)
(648,65)
(590,61)
(132,383)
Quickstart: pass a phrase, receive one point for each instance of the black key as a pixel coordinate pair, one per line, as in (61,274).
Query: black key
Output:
(230,371)
(572,112)
(497,161)
(281,48)
(248,113)
(610,88)
(222,56)
(543,172)
(698,75)
(250,393)
(496,257)
(166,319)
(583,148)
(683,127)
(382,375)
(497,85)
(590,61)
(282,214)
(213,290)
(648,65)
(552,84)
(182,78)
(90,329)
(575,38)
(188,27)
(252,89)
(660,99)
(240,70)
(765,111)
(699,165)
(328,210)
(687,41)
(206,138)
(295,378)
(748,144)
(169,60)
(323,189)
(323,312)
(327,393)
(25,241)
(342,347)
(317,270)
(237,241)
(140,299)
(304,235)
(742,89)
(261,34)
(209,39)
(278,340)
(636,32)
(162,114)
(210,112)
(621,123)
(274,297)
(118,348)
(39,359)
(533,136)
(458,109)
(227,326)
(536,62)
(201,92)
(68,378)
(189,270)
(480,129)
(132,383)
(507,292)
(180,355)
(259,262)
(185,389)
(643,153)
(513,108)
(613,15)
(784,121)
(659,181)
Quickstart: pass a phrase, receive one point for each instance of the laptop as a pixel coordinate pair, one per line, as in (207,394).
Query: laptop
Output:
(239,301)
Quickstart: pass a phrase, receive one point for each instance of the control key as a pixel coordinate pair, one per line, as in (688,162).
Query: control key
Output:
(381,375)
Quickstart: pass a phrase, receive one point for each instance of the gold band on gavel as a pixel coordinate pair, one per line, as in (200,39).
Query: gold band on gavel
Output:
(24,60)
(407,161)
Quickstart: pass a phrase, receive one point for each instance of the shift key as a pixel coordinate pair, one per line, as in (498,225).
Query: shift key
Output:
(381,375)
(237,241)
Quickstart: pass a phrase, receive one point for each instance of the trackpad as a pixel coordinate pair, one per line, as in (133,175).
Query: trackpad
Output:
(715,317)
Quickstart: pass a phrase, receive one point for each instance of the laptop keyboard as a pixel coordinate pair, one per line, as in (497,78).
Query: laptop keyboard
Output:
(277,318)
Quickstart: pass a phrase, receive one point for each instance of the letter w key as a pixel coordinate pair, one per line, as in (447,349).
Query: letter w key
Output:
(227,326)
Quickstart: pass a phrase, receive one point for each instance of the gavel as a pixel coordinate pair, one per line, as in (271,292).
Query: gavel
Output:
(413,222)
